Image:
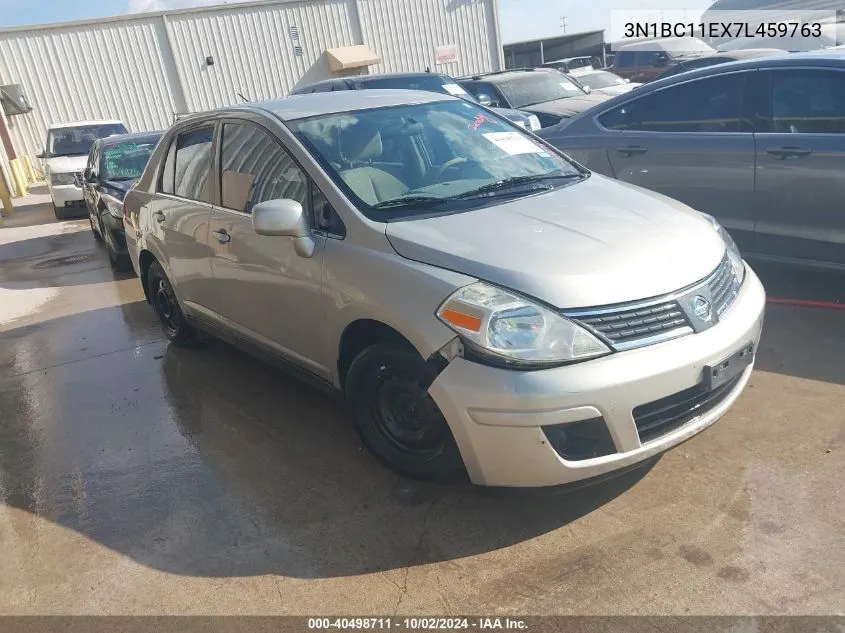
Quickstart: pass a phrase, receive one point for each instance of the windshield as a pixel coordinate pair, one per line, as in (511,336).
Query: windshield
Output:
(126,161)
(600,79)
(430,158)
(430,83)
(538,87)
(77,141)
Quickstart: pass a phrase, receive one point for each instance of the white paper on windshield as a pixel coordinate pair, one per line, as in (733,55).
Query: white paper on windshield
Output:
(569,87)
(454,89)
(513,143)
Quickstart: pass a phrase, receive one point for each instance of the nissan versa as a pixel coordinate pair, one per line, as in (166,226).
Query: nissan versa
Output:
(483,303)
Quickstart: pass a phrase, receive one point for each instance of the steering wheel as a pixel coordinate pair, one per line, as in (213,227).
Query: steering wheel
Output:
(442,169)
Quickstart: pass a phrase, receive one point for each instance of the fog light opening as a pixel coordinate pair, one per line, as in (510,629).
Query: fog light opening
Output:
(585,439)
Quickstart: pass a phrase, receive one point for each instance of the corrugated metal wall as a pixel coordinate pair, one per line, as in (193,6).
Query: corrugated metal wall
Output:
(68,73)
(143,69)
(254,52)
(418,26)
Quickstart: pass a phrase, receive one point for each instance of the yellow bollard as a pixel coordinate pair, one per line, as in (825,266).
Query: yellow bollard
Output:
(30,171)
(5,199)
(19,177)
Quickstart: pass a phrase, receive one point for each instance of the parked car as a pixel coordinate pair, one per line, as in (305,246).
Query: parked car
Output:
(114,164)
(756,143)
(414,81)
(718,58)
(644,61)
(568,64)
(546,93)
(481,301)
(65,154)
(603,82)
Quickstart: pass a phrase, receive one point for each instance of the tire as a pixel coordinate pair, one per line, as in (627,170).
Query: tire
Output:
(167,308)
(395,417)
(118,261)
(59,212)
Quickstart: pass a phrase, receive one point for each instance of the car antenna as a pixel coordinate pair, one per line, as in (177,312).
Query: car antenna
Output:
(243,97)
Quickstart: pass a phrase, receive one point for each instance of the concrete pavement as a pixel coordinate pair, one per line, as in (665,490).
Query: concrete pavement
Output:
(136,478)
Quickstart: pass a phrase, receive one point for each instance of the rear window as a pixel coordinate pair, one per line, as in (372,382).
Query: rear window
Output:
(624,60)
(430,83)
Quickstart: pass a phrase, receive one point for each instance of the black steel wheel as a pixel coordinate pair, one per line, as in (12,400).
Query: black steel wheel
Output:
(387,392)
(167,308)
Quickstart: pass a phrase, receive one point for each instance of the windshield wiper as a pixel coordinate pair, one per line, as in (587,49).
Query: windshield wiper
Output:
(409,201)
(121,179)
(517,181)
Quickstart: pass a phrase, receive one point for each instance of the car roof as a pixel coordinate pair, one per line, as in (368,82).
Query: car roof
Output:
(303,106)
(58,126)
(744,53)
(366,78)
(659,44)
(505,75)
(117,139)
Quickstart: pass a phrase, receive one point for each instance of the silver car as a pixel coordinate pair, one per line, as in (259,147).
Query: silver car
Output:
(483,304)
(759,144)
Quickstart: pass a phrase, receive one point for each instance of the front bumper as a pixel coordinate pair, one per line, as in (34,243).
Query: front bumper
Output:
(496,414)
(114,226)
(67,196)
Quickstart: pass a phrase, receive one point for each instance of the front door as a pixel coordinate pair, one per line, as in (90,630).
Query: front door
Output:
(800,195)
(692,142)
(268,293)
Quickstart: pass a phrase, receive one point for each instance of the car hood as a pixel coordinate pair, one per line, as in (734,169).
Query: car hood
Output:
(567,107)
(66,164)
(594,243)
(619,89)
(118,188)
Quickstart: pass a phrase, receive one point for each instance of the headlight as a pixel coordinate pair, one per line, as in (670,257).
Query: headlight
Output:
(533,123)
(62,179)
(515,331)
(733,251)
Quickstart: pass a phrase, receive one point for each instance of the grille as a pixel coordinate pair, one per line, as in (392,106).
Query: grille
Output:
(663,416)
(626,327)
(724,286)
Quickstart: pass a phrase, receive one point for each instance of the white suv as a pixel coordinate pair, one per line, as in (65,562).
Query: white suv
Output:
(65,156)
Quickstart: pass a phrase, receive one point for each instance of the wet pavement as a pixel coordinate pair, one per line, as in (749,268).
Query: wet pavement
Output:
(139,478)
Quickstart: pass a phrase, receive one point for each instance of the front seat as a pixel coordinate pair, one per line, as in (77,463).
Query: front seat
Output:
(360,144)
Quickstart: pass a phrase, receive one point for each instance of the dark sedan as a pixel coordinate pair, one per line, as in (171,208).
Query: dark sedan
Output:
(546,93)
(114,164)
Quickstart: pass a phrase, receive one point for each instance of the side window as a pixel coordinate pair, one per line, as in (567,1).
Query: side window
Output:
(710,105)
(165,185)
(624,59)
(325,218)
(192,164)
(255,168)
(808,101)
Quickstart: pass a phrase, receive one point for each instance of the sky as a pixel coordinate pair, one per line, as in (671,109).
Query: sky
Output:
(519,19)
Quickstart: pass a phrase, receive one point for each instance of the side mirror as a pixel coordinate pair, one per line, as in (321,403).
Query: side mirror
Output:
(88,175)
(484,99)
(284,218)
(627,81)
(660,60)
(587,89)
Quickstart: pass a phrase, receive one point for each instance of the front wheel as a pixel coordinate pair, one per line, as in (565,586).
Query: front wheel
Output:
(387,393)
(167,307)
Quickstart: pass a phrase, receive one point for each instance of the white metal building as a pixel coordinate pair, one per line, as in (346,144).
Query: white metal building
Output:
(144,68)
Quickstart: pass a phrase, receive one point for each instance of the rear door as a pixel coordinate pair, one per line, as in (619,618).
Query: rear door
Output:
(179,215)
(800,193)
(691,141)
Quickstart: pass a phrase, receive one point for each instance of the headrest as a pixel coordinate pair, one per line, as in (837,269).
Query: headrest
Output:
(360,142)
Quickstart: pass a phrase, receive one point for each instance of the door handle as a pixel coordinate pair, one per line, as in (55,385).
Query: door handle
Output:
(630,150)
(158,216)
(222,236)
(789,152)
